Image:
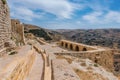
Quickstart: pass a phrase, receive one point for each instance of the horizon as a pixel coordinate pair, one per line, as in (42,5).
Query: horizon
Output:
(67,14)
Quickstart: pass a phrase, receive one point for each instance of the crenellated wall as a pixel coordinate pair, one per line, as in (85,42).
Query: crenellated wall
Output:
(5,24)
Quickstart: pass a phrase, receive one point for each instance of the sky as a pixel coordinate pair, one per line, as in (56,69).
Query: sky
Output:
(67,14)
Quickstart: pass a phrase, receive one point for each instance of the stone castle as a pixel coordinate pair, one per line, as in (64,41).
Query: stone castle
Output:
(35,59)
(10,29)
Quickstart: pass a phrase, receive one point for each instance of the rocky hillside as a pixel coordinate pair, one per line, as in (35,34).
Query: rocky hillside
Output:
(100,37)
(41,32)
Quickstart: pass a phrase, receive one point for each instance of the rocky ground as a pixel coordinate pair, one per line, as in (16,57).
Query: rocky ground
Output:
(88,70)
(85,69)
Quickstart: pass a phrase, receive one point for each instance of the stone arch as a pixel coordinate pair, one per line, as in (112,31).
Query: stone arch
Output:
(66,45)
(76,48)
(71,47)
(62,43)
(84,49)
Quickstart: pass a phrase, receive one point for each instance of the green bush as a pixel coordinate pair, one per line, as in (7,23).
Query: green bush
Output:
(4,1)
(96,65)
(40,33)
(12,53)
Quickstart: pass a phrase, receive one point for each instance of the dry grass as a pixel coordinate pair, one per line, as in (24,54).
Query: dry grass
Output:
(89,75)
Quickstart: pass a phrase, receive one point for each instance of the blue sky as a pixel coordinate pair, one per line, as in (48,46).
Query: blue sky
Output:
(67,14)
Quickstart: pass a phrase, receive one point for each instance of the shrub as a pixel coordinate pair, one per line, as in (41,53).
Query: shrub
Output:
(12,53)
(96,65)
(40,33)
(4,1)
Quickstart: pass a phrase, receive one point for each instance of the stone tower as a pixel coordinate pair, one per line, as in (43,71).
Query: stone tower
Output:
(5,24)
(17,29)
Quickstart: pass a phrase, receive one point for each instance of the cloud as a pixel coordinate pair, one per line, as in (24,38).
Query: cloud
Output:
(102,17)
(59,8)
(92,17)
(65,13)
(112,16)
(24,14)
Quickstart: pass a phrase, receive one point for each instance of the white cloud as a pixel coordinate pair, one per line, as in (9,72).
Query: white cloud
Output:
(102,18)
(59,8)
(112,16)
(24,14)
(92,17)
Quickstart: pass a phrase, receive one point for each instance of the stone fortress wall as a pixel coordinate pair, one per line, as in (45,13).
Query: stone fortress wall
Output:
(5,24)
(17,31)
(104,57)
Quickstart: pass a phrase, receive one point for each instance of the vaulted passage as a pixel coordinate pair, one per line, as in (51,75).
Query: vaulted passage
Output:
(66,45)
(84,49)
(76,48)
(71,47)
(62,44)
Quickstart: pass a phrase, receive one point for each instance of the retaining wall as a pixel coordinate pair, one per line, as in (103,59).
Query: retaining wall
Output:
(102,57)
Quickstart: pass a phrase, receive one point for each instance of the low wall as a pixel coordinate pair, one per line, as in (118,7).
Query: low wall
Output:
(47,69)
(102,57)
(117,62)
(17,67)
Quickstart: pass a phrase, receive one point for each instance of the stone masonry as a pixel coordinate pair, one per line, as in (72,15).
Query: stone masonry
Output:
(101,56)
(5,24)
(17,31)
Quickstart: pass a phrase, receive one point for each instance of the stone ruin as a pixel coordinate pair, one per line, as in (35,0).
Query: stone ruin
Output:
(11,31)
(17,32)
(101,56)
(5,25)
(20,64)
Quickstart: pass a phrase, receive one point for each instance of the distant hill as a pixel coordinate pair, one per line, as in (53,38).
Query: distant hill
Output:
(41,32)
(100,37)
